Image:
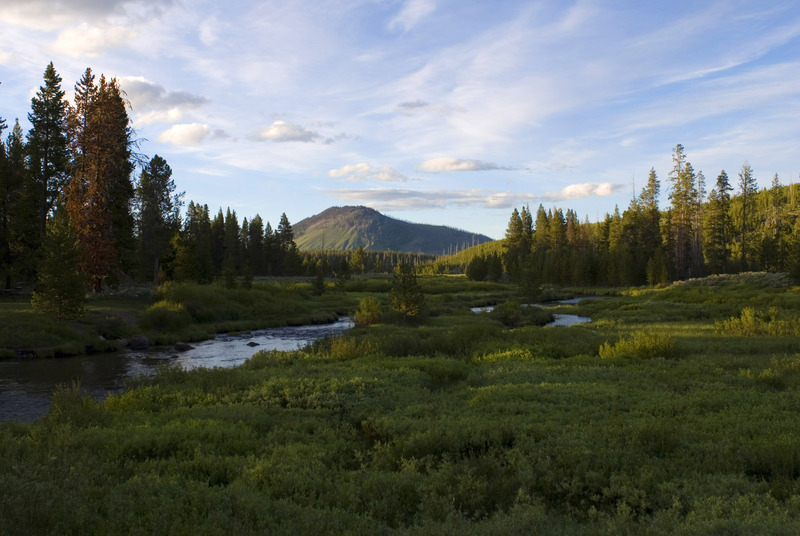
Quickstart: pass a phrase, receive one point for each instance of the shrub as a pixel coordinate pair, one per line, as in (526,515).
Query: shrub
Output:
(513,315)
(751,323)
(166,315)
(369,312)
(641,344)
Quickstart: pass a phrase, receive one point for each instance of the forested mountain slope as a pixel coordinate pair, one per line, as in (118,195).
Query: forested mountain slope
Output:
(347,228)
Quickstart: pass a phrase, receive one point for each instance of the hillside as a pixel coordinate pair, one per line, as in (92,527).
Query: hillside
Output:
(346,228)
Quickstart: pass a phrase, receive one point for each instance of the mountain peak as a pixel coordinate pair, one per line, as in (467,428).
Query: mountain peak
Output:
(348,227)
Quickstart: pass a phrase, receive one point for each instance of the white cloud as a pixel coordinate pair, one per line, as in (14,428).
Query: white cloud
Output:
(405,199)
(163,105)
(86,40)
(581,191)
(364,172)
(445,164)
(413,11)
(281,131)
(185,134)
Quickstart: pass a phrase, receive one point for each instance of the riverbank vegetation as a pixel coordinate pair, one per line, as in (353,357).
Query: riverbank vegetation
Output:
(661,416)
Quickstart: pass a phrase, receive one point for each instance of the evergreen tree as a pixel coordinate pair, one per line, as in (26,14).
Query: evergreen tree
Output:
(718,225)
(774,231)
(256,245)
(17,245)
(218,240)
(231,246)
(289,257)
(193,259)
(61,286)
(747,192)
(683,196)
(514,245)
(407,296)
(358,261)
(157,216)
(100,193)
(48,145)
(649,236)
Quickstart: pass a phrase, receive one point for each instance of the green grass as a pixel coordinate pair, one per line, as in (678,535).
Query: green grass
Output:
(459,425)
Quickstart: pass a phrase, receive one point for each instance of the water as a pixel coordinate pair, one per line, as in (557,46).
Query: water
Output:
(560,319)
(26,386)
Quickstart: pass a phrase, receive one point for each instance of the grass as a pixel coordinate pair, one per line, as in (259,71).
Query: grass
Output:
(459,425)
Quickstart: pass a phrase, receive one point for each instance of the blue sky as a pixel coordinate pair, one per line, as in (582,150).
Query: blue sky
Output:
(432,111)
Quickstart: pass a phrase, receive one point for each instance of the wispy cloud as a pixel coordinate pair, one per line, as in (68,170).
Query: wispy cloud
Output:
(364,172)
(413,11)
(446,164)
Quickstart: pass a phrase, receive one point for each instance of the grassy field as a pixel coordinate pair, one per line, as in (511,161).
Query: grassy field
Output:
(673,412)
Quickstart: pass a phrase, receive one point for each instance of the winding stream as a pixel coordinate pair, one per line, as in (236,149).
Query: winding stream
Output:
(26,386)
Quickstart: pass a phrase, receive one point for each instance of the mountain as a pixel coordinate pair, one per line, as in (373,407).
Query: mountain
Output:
(346,228)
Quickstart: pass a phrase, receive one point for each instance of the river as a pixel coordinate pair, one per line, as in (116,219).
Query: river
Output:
(26,386)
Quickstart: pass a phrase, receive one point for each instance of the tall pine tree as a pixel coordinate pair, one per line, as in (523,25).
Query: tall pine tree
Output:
(157,215)
(48,145)
(100,192)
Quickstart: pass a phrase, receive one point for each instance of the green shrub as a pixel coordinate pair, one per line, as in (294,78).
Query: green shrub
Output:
(369,312)
(752,323)
(513,315)
(166,315)
(641,344)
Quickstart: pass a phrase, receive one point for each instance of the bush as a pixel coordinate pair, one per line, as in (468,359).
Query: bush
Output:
(166,315)
(641,344)
(513,315)
(369,312)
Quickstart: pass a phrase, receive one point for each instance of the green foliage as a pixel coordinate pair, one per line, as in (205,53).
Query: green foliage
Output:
(165,315)
(369,312)
(513,315)
(61,286)
(641,344)
(454,426)
(407,297)
(752,322)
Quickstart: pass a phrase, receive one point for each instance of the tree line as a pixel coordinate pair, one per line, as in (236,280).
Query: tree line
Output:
(67,195)
(700,233)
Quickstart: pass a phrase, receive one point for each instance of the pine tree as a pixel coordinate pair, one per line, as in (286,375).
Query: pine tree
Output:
(48,145)
(358,261)
(256,245)
(407,296)
(718,225)
(747,191)
(683,196)
(100,193)
(157,215)
(193,259)
(61,286)
(17,246)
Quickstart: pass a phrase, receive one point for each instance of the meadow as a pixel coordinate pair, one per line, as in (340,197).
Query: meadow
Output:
(673,412)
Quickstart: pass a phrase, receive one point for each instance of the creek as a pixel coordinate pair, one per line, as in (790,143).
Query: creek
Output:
(559,319)
(26,386)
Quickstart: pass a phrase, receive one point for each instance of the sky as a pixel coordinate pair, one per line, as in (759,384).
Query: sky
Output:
(447,112)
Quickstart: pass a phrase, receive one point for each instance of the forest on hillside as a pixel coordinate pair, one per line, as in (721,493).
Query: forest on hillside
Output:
(697,234)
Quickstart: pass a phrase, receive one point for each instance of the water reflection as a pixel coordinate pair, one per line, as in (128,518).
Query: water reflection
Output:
(26,386)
